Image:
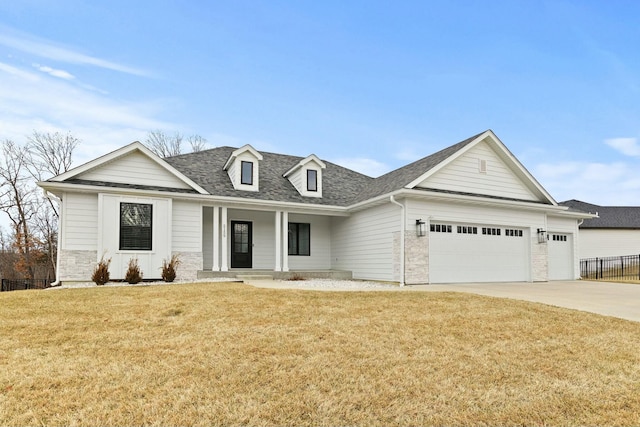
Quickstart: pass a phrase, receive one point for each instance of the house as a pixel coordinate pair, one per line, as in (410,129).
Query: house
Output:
(614,232)
(468,213)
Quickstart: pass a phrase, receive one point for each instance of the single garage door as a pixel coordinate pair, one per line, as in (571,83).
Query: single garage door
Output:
(461,253)
(560,256)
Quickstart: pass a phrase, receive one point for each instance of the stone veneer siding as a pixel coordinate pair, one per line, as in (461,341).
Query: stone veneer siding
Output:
(540,261)
(416,265)
(190,264)
(77,266)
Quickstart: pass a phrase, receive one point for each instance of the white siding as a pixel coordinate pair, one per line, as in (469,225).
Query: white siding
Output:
(603,243)
(186,219)
(109,230)
(235,172)
(363,242)
(299,179)
(80,226)
(134,168)
(320,258)
(463,175)
(263,227)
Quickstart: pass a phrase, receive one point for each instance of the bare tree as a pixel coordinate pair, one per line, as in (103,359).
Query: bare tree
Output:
(164,145)
(16,197)
(197,142)
(50,154)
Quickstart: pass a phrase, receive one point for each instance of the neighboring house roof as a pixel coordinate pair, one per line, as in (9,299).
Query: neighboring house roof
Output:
(624,217)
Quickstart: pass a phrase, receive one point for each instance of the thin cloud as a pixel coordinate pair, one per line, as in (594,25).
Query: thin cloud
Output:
(627,146)
(47,49)
(61,74)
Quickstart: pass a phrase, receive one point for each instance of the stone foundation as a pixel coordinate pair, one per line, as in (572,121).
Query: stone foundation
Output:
(540,262)
(77,266)
(416,265)
(190,264)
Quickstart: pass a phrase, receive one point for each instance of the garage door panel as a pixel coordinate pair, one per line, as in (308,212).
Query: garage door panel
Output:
(560,256)
(457,257)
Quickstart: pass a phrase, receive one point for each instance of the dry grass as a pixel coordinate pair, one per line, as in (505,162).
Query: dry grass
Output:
(229,354)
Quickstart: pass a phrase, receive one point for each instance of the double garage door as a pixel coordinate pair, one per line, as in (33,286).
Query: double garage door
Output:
(460,253)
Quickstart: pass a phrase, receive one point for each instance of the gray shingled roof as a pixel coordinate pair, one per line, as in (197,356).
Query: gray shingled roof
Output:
(626,217)
(340,186)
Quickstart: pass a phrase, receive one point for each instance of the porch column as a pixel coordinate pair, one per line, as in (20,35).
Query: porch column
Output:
(216,238)
(224,242)
(285,241)
(278,237)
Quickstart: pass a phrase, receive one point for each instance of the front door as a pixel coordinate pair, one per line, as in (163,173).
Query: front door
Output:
(241,244)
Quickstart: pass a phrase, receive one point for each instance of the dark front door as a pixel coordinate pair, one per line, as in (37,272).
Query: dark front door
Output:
(241,244)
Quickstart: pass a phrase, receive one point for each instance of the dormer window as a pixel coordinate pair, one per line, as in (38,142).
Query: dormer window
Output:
(243,168)
(306,176)
(246,173)
(312,180)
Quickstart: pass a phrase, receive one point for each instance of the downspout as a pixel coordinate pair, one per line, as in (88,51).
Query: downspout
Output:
(55,198)
(403,226)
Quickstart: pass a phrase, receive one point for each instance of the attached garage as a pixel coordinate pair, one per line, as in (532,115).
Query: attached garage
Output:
(478,253)
(560,256)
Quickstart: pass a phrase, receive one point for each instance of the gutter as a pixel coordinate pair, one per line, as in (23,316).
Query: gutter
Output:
(403,226)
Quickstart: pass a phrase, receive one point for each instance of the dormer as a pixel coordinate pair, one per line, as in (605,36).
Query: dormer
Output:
(306,176)
(244,169)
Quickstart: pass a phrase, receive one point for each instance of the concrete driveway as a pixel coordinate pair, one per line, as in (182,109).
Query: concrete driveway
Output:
(610,299)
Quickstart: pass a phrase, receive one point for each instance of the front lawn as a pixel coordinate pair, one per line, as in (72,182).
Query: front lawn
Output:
(230,354)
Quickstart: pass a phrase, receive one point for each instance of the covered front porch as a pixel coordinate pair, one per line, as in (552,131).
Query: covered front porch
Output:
(240,274)
(281,243)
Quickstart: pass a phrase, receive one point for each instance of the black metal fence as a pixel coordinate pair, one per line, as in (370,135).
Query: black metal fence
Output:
(22,284)
(626,267)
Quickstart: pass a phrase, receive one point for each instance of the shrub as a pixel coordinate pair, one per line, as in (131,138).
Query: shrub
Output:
(100,274)
(296,277)
(133,274)
(169,268)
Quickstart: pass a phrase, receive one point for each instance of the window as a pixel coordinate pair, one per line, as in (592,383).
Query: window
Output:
(512,233)
(559,238)
(135,226)
(246,173)
(312,180)
(440,228)
(466,229)
(490,231)
(299,239)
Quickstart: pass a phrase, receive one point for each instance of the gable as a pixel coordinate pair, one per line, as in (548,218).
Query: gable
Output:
(133,168)
(484,171)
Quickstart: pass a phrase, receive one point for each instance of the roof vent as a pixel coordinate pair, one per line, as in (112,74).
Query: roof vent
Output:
(482,166)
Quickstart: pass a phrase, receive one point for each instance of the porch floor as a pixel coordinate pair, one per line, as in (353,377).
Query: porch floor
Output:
(237,273)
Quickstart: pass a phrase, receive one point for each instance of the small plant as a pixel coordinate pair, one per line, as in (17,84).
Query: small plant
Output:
(169,268)
(133,274)
(100,274)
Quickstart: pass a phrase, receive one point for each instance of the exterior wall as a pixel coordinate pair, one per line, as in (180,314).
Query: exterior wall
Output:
(320,258)
(539,261)
(134,168)
(417,258)
(599,243)
(190,264)
(570,226)
(363,242)
(263,236)
(235,172)
(150,262)
(80,221)
(299,179)
(76,265)
(464,175)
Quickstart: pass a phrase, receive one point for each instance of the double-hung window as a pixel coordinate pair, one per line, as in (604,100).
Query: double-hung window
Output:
(299,238)
(136,220)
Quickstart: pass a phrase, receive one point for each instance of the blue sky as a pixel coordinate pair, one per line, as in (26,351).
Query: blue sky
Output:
(370,85)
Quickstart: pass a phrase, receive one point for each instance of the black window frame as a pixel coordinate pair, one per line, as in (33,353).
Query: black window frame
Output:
(248,164)
(136,237)
(295,229)
(314,181)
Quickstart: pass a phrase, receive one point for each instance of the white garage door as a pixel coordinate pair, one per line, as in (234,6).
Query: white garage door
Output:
(560,256)
(461,253)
